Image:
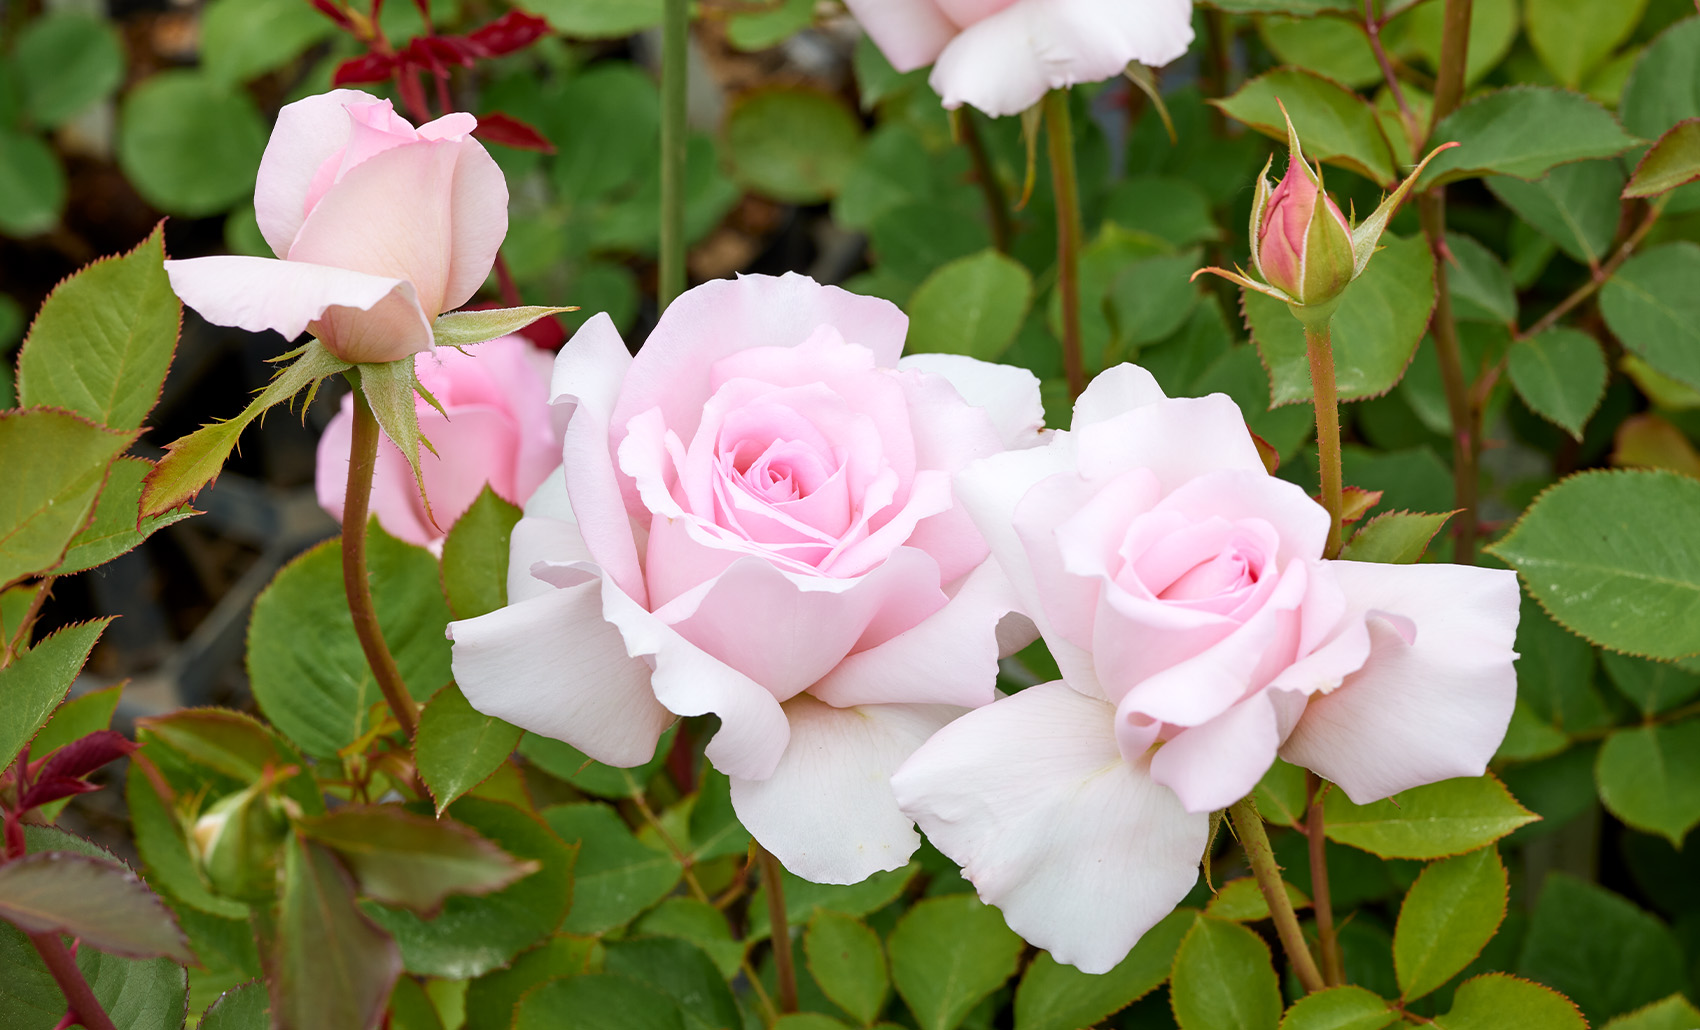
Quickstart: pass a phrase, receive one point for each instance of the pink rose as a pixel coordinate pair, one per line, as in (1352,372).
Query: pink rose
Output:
(1199,634)
(1002,55)
(380,228)
(496,428)
(756,520)
(1299,249)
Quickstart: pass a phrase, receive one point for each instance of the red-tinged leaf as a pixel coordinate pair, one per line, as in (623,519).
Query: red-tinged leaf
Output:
(1266,450)
(47,791)
(364,69)
(403,859)
(334,13)
(513,31)
(412,93)
(61,775)
(546,333)
(436,53)
(104,904)
(509,131)
(327,965)
(1358,502)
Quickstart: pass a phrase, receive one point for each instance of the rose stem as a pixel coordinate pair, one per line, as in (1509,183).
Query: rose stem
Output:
(1431,209)
(1327,402)
(986,177)
(1060,130)
(675,74)
(1249,825)
(779,931)
(1327,941)
(85,1007)
(362,458)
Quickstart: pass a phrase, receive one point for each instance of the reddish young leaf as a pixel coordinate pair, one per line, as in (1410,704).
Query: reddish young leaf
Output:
(61,775)
(366,68)
(511,132)
(513,31)
(436,53)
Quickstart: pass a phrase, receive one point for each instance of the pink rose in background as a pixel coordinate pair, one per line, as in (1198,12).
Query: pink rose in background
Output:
(496,427)
(1199,634)
(1001,56)
(756,520)
(379,228)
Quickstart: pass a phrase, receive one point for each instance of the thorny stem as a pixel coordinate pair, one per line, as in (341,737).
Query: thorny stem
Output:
(1372,26)
(1328,942)
(675,73)
(986,177)
(362,458)
(1604,272)
(779,930)
(1064,181)
(85,1007)
(1454,49)
(1249,825)
(1466,435)
(1326,400)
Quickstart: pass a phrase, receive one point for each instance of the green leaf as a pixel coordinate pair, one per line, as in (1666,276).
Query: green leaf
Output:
(320,697)
(946,954)
(598,19)
(475,556)
(53,464)
(1150,300)
(1481,286)
(1660,91)
(330,965)
(910,240)
(1337,126)
(1395,537)
(1561,375)
(1574,205)
(793,144)
(1419,31)
(491,999)
(972,306)
(1053,996)
(1302,8)
(242,1008)
(244,39)
(76,718)
(1649,776)
(563,761)
(33,183)
(1339,1008)
(1241,901)
(1281,794)
(189,145)
(1555,673)
(66,61)
(1572,37)
(681,971)
(1173,209)
(758,29)
(459,747)
(1523,131)
(1673,1013)
(1602,951)
(1331,47)
(114,530)
(847,961)
(103,340)
(615,128)
(1613,557)
(617,876)
(700,923)
(410,1008)
(1449,915)
(1381,320)
(715,829)
(1224,979)
(1500,1002)
(599,1001)
(1671,162)
(402,859)
(474,935)
(390,389)
(803,899)
(104,904)
(1654,687)
(1441,819)
(464,328)
(1649,306)
(37,680)
(165,852)
(194,461)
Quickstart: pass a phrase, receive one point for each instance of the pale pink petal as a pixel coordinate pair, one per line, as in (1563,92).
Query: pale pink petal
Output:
(827,812)
(1070,600)
(1178,440)
(330,463)
(1301,524)
(1424,711)
(1082,850)
(723,317)
(1213,765)
(910,33)
(470,445)
(1009,395)
(950,658)
(307,134)
(257,294)
(478,221)
(555,666)
(1115,391)
(537,544)
(589,372)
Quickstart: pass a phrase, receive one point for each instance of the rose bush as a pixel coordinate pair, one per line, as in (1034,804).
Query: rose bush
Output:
(756,519)
(378,228)
(496,427)
(1199,633)
(1002,55)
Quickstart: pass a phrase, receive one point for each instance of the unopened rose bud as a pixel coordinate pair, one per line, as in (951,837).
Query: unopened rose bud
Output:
(1303,244)
(238,841)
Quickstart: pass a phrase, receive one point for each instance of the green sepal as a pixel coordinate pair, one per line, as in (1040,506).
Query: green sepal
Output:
(1239,278)
(389,388)
(1328,259)
(1367,235)
(1259,203)
(463,328)
(1315,317)
(240,842)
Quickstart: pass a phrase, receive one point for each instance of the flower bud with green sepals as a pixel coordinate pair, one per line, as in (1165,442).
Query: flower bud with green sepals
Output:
(239,840)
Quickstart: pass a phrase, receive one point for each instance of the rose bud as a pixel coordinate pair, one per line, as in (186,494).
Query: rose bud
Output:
(238,840)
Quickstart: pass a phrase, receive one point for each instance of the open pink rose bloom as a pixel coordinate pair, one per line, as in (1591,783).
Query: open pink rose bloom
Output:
(1199,634)
(756,519)
(1002,55)
(496,427)
(378,228)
